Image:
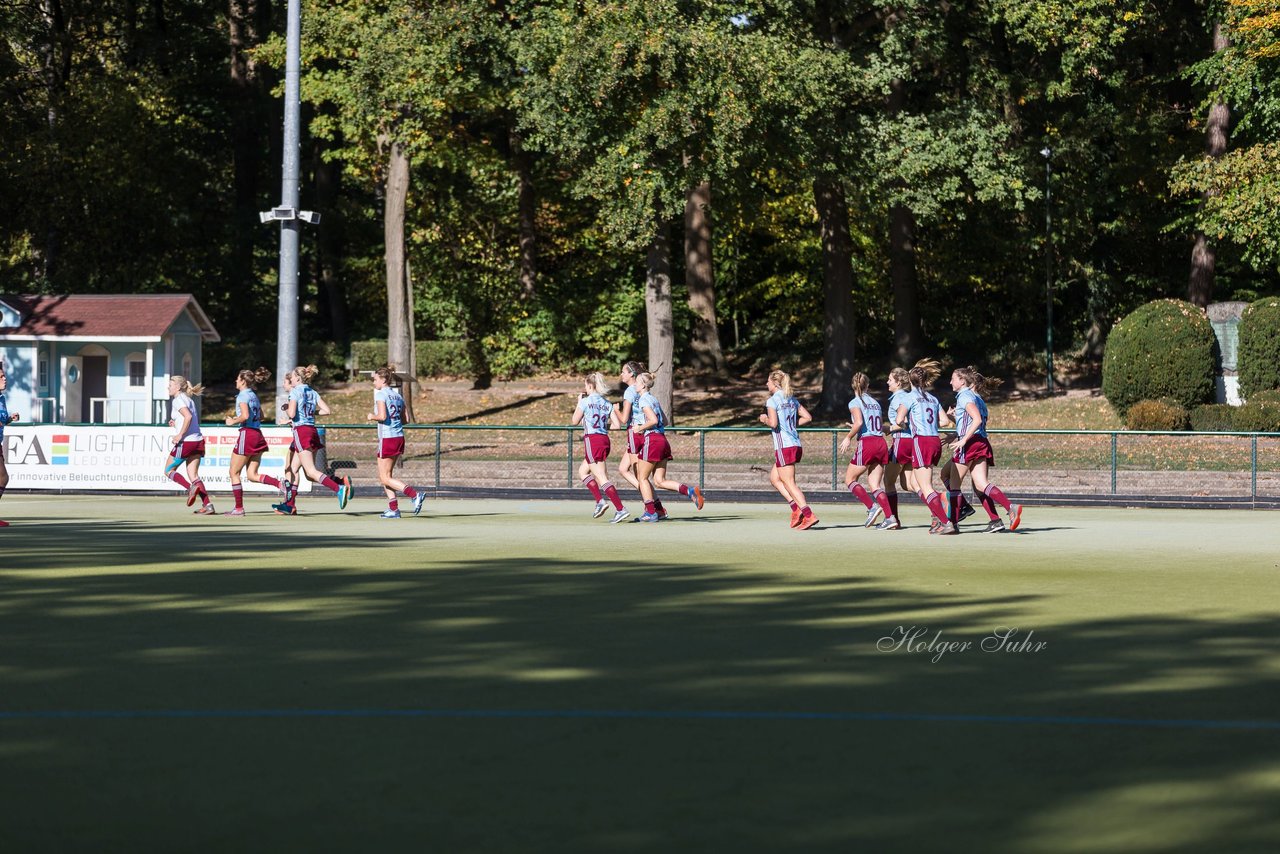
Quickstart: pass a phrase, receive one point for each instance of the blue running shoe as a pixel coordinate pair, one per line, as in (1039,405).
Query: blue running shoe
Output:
(417,503)
(390,514)
(344,493)
(619,516)
(648,517)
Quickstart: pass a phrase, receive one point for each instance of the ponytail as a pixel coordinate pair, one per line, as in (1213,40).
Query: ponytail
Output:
(253,379)
(924,374)
(782,380)
(976,381)
(185,386)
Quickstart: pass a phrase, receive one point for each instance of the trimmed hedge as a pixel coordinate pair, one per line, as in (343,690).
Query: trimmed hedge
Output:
(1261,416)
(1164,349)
(1156,415)
(1258,359)
(435,358)
(1213,418)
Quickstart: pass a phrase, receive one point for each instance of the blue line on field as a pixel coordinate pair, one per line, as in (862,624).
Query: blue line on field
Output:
(628,714)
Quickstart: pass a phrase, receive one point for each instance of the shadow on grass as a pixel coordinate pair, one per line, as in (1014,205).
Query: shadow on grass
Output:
(377,631)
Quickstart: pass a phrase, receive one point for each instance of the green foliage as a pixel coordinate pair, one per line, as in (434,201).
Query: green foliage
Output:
(1163,415)
(435,358)
(1163,349)
(1260,416)
(1213,418)
(1271,395)
(1258,357)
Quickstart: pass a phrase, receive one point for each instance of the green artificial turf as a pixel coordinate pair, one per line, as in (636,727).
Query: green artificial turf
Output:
(515,676)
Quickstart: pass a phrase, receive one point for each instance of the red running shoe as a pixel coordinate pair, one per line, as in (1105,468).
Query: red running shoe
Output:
(807,522)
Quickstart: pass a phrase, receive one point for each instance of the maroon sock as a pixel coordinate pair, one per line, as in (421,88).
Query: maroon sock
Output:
(410,493)
(330,483)
(955,499)
(994,493)
(893,503)
(934,500)
(684,490)
(657,502)
(882,498)
(805,512)
(594,488)
(989,506)
(179,479)
(861,494)
(650,507)
(612,494)
(268,480)
(201,491)
(794,506)
(393,504)
(237,491)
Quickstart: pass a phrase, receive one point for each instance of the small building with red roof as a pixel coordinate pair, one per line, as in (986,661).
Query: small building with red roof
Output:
(99,358)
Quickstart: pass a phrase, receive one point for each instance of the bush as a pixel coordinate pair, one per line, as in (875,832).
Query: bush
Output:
(435,358)
(1163,415)
(1262,416)
(1258,359)
(1213,418)
(1271,395)
(1163,349)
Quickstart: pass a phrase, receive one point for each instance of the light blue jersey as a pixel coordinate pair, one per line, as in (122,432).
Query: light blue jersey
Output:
(392,426)
(647,400)
(631,395)
(4,417)
(872,420)
(250,399)
(901,397)
(595,414)
(964,397)
(304,414)
(923,414)
(787,433)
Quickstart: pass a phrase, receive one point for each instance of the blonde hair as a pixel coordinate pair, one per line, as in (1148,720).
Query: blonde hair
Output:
(860,382)
(387,373)
(646,378)
(976,381)
(597,382)
(782,380)
(925,372)
(901,377)
(253,379)
(306,374)
(185,386)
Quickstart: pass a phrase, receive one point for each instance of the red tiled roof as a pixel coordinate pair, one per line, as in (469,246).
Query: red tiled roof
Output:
(101,315)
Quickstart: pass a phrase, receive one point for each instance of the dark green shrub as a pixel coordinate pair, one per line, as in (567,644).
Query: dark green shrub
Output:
(1261,416)
(1156,415)
(1258,359)
(1163,349)
(435,358)
(222,361)
(1213,418)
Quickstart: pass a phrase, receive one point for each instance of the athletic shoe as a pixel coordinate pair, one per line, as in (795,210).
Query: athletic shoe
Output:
(890,524)
(662,513)
(995,526)
(966,510)
(619,516)
(390,514)
(285,509)
(1015,517)
(601,506)
(172,465)
(795,517)
(948,529)
(417,503)
(807,522)
(344,493)
(934,525)
(193,491)
(239,511)
(695,495)
(206,510)
(872,515)
(648,517)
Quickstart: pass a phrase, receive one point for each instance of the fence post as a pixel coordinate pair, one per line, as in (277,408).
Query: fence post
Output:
(835,448)
(1113,462)
(568,458)
(1253,468)
(702,459)
(438,430)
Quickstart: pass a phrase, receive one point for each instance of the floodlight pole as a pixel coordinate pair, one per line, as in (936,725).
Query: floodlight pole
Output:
(1047,153)
(287,328)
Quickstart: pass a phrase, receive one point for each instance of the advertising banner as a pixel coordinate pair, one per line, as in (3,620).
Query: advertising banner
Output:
(111,458)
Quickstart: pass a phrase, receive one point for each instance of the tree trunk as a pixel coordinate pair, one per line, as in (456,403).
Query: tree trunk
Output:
(837,283)
(700,280)
(907,333)
(246,152)
(55,69)
(527,209)
(657,309)
(329,245)
(399,337)
(1204,254)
